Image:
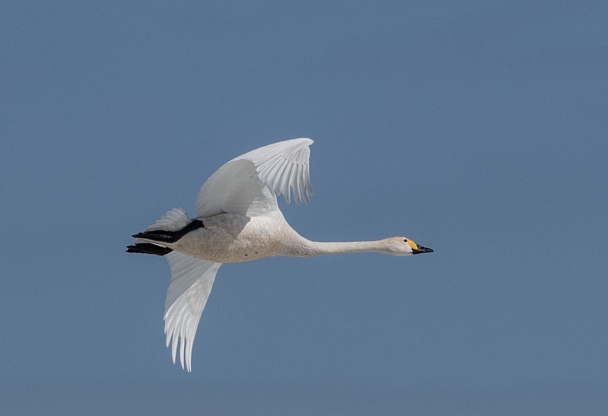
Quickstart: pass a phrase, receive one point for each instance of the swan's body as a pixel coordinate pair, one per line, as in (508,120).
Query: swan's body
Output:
(238,220)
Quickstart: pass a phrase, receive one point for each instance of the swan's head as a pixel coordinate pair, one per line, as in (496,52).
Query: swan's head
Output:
(402,246)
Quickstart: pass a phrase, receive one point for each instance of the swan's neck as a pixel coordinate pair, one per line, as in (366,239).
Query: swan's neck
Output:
(307,248)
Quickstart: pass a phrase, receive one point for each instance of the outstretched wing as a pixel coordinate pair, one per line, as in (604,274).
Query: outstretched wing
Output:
(189,288)
(249,184)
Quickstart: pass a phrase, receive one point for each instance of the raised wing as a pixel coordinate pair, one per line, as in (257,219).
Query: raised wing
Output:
(189,288)
(249,184)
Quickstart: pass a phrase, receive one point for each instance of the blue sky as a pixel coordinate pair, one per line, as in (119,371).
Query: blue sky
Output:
(475,128)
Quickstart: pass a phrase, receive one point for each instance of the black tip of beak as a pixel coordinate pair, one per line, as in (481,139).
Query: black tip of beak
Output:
(422,250)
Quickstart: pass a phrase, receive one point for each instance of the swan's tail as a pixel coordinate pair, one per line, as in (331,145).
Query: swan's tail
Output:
(168,229)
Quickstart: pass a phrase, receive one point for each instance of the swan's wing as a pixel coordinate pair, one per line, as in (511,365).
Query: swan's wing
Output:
(189,288)
(249,184)
(284,165)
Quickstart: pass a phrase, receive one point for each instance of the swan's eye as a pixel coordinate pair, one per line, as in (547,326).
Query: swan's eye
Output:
(405,240)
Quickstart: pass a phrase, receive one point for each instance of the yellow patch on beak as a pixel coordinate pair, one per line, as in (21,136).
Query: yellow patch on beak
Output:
(413,245)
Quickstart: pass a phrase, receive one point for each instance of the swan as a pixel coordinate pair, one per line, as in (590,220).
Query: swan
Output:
(238,219)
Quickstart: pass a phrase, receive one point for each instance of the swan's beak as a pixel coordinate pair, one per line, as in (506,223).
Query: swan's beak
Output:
(421,249)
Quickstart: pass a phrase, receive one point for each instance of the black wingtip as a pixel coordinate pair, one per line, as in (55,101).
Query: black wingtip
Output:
(170,236)
(148,248)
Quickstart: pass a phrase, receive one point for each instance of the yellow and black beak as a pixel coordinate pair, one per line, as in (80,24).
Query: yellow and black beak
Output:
(421,249)
(417,249)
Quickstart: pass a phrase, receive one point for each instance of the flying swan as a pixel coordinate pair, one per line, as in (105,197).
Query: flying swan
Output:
(238,219)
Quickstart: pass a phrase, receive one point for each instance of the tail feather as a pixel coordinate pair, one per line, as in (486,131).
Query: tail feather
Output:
(173,220)
(168,229)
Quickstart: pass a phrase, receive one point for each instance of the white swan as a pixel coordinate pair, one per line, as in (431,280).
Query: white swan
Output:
(238,220)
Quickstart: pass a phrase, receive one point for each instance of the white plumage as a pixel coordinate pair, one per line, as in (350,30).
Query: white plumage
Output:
(238,219)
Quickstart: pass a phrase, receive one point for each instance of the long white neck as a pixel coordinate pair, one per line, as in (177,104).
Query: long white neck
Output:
(303,247)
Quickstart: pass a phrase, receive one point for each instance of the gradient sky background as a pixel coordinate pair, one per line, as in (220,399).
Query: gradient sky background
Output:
(476,128)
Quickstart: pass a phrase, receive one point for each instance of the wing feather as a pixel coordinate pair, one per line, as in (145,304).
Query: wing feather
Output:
(249,184)
(189,289)
(282,174)
(297,188)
